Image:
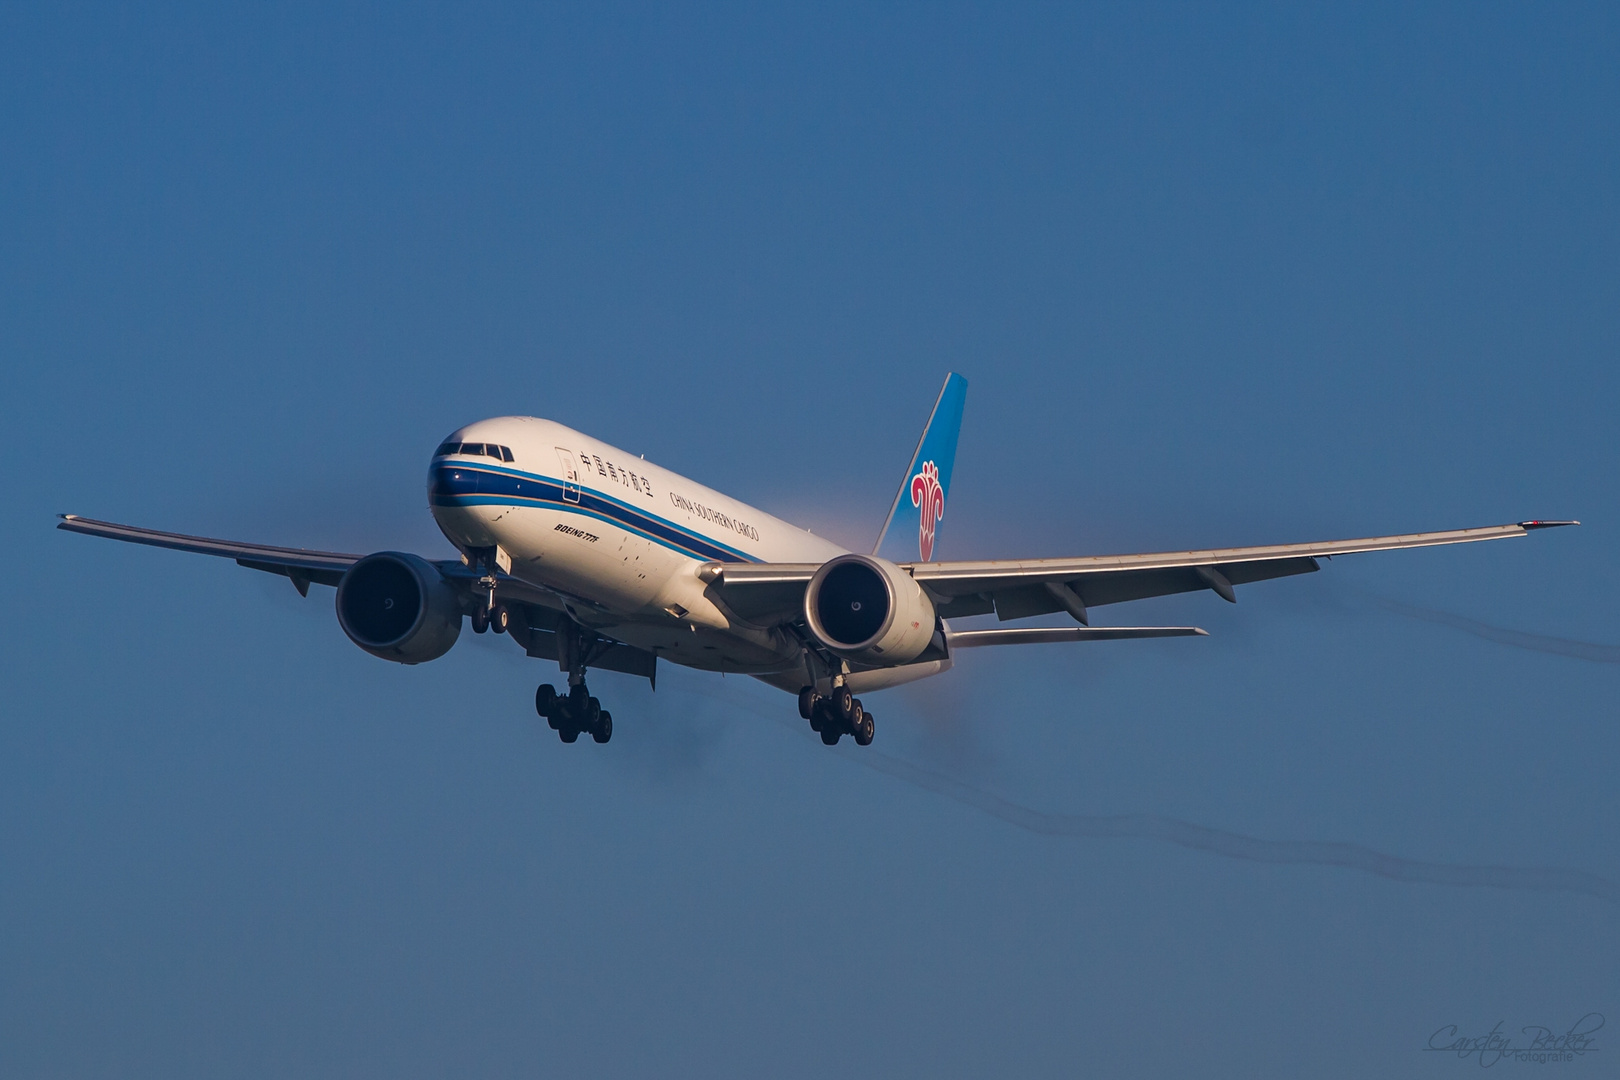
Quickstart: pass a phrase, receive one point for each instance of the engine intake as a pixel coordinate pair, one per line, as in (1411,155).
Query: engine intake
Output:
(399,607)
(868,609)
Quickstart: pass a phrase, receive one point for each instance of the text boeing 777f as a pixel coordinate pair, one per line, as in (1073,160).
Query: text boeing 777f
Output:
(592,557)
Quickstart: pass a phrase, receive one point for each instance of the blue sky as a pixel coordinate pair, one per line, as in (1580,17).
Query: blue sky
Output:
(1216,275)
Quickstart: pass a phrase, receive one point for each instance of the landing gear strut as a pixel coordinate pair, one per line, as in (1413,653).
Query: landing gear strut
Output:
(488,615)
(836,716)
(572,714)
(575,712)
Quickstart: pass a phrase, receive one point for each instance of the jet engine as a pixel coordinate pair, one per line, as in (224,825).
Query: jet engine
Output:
(399,607)
(868,610)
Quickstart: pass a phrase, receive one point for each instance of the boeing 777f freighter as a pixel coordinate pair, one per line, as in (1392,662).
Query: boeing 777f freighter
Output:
(592,557)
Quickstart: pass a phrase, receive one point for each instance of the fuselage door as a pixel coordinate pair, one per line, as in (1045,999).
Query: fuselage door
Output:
(570,476)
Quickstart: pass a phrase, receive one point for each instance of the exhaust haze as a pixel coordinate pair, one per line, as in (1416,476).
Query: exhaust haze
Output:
(1590,651)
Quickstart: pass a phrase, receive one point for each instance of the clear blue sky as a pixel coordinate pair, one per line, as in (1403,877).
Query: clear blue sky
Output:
(1217,275)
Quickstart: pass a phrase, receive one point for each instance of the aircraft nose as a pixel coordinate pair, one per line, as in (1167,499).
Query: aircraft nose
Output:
(449,481)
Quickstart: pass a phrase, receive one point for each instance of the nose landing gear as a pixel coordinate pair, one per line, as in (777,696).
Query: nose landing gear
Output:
(488,615)
(836,716)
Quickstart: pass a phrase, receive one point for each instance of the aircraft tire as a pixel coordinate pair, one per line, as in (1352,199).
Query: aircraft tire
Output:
(865,731)
(603,731)
(545,700)
(480,620)
(499,620)
(807,703)
(593,712)
(569,733)
(831,735)
(843,703)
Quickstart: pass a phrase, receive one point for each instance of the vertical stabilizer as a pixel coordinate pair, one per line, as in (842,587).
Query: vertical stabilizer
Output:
(912,529)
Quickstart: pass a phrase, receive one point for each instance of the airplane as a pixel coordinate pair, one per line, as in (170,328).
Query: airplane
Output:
(593,557)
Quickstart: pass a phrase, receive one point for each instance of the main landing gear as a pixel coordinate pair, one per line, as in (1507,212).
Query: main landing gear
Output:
(576,712)
(836,716)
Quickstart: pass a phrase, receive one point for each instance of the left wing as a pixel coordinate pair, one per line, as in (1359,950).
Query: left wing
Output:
(1019,588)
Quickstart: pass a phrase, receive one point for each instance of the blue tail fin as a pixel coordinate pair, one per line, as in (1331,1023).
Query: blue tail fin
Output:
(912,528)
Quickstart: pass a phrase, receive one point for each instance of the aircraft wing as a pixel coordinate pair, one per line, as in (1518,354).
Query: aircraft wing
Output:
(302,565)
(1018,588)
(1041,635)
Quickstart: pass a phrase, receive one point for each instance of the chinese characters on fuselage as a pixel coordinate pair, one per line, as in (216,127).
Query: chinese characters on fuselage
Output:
(616,474)
(638,483)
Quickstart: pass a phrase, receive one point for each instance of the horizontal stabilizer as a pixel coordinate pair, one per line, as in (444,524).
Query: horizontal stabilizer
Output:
(970,639)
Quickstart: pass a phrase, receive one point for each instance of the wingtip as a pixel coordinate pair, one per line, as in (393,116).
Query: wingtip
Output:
(1528,525)
(1199,631)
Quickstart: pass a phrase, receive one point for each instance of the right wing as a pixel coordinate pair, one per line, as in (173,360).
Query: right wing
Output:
(538,612)
(302,565)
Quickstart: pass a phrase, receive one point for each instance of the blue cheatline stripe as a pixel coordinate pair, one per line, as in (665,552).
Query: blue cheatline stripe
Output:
(528,489)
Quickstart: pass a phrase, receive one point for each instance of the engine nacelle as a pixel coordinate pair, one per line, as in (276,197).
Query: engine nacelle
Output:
(869,610)
(399,607)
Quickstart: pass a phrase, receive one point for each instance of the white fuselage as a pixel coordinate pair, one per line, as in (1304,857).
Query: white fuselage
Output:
(618,538)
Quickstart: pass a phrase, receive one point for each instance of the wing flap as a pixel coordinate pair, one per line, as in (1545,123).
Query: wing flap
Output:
(535,631)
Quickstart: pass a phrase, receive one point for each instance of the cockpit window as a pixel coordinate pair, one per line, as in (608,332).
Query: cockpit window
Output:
(477,449)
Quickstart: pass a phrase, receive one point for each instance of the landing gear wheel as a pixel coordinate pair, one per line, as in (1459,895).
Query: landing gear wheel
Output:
(843,703)
(499,620)
(830,736)
(603,731)
(864,731)
(568,734)
(545,700)
(480,619)
(807,703)
(593,713)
